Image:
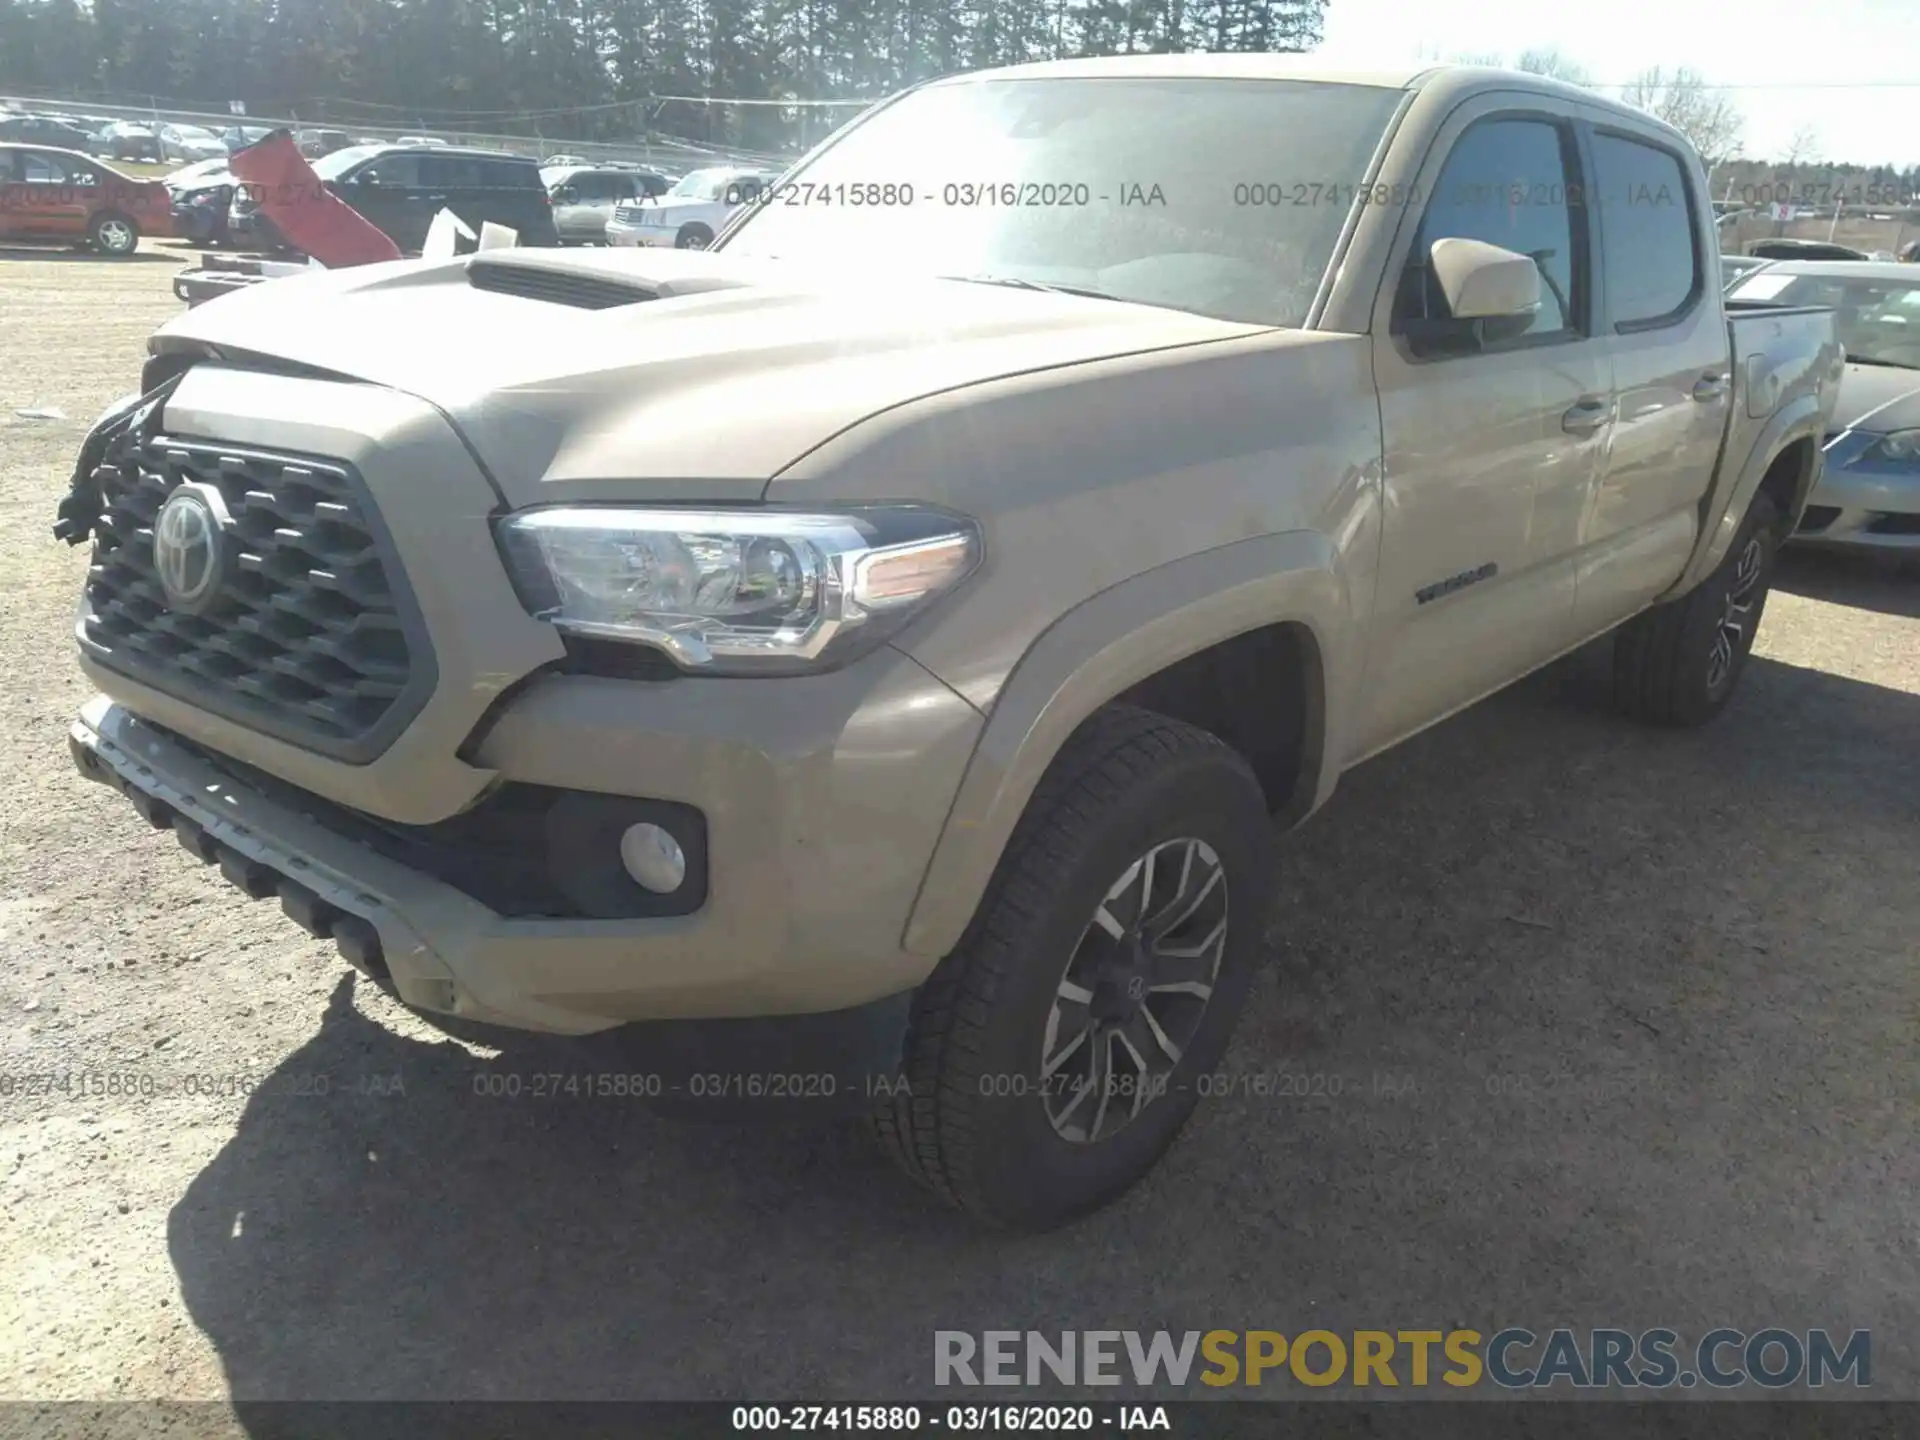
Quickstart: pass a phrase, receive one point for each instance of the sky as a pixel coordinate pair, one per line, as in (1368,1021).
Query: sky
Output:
(1849,69)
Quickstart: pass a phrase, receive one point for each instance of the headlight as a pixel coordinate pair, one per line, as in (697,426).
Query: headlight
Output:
(1902,447)
(737,591)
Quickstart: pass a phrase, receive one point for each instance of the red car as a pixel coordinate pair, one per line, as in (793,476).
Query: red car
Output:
(47,194)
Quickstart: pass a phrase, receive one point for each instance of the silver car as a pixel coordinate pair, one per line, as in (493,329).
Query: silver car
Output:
(584,197)
(1868,496)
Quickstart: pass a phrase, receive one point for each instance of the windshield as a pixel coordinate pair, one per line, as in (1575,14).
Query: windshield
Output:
(332,167)
(702,185)
(1223,197)
(1878,320)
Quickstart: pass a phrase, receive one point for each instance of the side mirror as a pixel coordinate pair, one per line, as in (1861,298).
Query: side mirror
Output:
(1484,282)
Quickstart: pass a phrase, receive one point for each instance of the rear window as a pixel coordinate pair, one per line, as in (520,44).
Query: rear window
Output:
(510,175)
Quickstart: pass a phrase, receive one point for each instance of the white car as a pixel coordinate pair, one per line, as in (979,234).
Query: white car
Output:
(189,143)
(689,215)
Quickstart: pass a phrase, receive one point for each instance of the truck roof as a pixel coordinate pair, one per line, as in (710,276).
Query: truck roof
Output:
(1462,80)
(1203,67)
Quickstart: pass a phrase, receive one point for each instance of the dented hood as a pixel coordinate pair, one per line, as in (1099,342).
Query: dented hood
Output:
(575,375)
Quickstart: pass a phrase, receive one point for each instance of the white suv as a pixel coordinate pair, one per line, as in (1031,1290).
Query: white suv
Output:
(690,214)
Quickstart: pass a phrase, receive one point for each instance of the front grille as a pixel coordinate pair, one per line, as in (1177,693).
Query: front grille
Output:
(307,637)
(1817,517)
(556,287)
(629,214)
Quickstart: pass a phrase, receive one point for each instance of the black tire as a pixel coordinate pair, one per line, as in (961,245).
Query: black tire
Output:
(972,1125)
(113,234)
(1665,667)
(693,237)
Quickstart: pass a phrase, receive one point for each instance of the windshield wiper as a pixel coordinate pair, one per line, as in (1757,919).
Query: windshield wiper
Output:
(1017,282)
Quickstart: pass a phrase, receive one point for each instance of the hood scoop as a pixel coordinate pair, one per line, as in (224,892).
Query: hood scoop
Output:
(602,280)
(555,286)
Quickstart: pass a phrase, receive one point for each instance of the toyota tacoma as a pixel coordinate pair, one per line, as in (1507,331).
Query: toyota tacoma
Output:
(910,619)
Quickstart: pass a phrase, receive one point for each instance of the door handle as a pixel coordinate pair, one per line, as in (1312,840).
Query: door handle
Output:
(1586,416)
(1710,386)
(436,199)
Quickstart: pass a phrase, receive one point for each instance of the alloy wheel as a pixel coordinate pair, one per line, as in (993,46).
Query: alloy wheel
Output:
(1736,613)
(1134,991)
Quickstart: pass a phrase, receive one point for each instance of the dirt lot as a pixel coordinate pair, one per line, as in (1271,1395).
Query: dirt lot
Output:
(1621,1026)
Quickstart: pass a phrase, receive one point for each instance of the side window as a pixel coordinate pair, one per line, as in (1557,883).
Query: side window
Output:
(397,172)
(1646,231)
(41,169)
(506,175)
(452,172)
(1508,183)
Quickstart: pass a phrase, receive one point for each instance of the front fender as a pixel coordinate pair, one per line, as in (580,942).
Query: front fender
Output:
(1100,649)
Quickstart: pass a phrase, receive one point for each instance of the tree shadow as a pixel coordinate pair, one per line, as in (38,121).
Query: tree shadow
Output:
(1560,1006)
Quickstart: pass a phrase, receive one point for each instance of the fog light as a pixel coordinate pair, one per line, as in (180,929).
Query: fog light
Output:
(653,858)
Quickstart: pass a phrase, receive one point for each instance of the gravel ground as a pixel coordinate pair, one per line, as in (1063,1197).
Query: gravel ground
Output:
(1600,1026)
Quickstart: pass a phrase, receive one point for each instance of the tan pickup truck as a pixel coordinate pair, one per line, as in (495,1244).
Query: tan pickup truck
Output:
(905,624)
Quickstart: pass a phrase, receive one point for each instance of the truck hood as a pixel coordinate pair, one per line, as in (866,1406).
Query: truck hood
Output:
(1877,398)
(574,376)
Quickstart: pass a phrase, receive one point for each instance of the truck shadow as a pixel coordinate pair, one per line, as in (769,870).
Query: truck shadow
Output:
(1559,1005)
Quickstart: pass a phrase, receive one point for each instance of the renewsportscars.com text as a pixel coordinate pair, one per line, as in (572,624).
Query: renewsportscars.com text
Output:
(1513,1358)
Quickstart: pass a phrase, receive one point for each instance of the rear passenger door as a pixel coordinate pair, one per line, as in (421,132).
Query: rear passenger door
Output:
(1490,445)
(455,182)
(1670,354)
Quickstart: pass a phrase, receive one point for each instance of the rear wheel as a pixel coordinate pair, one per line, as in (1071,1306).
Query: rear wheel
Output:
(1054,1056)
(1678,663)
(113,234)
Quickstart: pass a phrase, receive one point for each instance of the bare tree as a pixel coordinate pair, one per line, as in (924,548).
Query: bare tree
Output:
(1705,115)
(1804,148)
(1555,66)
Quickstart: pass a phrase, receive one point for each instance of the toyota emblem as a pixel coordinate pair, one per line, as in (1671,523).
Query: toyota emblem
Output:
(187,554)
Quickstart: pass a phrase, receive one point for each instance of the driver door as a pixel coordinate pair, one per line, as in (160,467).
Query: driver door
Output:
(1490,447)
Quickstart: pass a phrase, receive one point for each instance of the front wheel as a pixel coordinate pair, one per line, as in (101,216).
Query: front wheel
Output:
(1678,663)
(693,237)
(1054,1056)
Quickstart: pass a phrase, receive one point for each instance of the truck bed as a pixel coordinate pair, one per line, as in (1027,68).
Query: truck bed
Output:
(1778,352)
